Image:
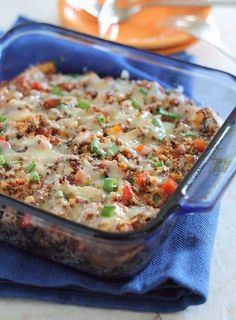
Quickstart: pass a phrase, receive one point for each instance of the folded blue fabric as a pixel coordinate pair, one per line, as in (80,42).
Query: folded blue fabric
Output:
(176,278)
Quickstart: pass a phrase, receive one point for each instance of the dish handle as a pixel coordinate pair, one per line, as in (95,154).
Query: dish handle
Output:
(214,170)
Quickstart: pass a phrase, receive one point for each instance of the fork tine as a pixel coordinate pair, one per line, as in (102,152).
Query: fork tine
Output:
(106,16)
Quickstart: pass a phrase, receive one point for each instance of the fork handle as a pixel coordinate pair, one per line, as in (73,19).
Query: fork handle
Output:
(224,49)
(191,3)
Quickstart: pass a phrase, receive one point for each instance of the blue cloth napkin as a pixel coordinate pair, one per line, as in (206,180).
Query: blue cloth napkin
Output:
(176,278)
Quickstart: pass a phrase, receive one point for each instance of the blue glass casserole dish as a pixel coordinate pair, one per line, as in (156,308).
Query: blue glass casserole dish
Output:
(100,253)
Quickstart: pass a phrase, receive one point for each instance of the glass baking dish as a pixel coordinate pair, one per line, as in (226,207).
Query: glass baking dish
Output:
(100,253)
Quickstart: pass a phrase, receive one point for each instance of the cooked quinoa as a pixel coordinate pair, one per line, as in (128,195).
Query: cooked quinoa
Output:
(103,152)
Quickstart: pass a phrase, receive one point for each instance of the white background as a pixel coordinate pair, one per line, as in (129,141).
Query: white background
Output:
(222,300)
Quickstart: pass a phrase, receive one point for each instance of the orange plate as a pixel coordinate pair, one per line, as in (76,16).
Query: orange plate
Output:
(143,30)
(176,49)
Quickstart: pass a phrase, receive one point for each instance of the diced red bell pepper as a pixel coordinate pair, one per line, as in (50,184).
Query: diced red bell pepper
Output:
(52,103)
(141,179)
(127,195)
(168,187)
(38,86)
(200,145)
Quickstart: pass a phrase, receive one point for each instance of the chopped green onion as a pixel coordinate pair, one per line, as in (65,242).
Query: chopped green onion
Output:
(143,91)
(190,134)
(171,115)
(108,211)
(69,142)
(157,122)
(59,194)
(57,91)
(2,160)
(156,199)
(74,75)
(84,104)
(158,164)
(151,156)
(102,119)
(95,148)
(136,104)
(35,176)
(3,118)
(31,167)
(113,150)
(161,136)
(110,184)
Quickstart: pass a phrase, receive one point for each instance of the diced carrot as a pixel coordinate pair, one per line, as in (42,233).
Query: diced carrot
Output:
(141,179)
(140,148)
(2,138)
(123,166)
(79,177)
(117,129)
(127,195)
(200,144)
(26,221)
(20,181)
(143,149)
(168,187)
(46,67)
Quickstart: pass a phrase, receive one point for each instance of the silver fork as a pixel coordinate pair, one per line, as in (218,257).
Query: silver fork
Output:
(107,16)
(200,29)
(190,24)
(116,15)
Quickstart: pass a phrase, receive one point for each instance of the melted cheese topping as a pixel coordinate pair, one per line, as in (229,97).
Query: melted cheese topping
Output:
(106,153)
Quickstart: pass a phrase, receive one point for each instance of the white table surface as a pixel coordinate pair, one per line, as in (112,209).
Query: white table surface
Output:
(221,304)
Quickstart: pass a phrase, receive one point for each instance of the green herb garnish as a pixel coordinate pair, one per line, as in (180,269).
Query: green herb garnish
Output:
(84,104)
(144,91)
(110,184)
(59,194)
(190,134)
(2,160)
(108,211)
(95,148)
(31,167)
(151,156)
(74,75)
(102,119)
(35,176)
(167,114)
(158,164)
(136,104)
(156,199)
(3,118)
(157,122)
(113,150)
(57,91)
(161,136)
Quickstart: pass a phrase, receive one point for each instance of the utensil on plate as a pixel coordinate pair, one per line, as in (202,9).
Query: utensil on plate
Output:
(117,15)
(105,17)
(201,29)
